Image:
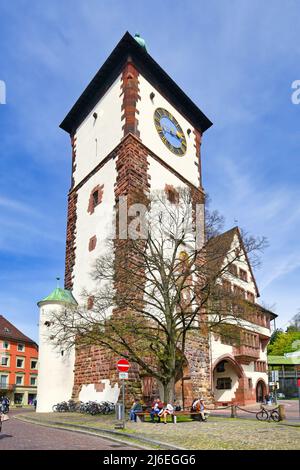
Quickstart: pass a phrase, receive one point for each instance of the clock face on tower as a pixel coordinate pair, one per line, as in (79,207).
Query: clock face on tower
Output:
(170,131)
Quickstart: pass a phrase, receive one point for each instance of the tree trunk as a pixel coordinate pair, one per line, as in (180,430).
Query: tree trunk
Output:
(169,391)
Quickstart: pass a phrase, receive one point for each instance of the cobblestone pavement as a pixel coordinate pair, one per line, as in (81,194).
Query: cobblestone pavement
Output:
(17,435)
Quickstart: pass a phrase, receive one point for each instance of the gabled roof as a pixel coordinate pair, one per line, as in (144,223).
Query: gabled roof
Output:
(129,47)
(9,331)
(218,247)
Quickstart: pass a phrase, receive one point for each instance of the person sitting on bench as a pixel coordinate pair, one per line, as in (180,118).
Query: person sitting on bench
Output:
(198,405)
(157,406)
(136,408)
(167,410)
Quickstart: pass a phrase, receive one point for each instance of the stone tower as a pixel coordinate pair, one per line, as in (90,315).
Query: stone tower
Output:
(131,129)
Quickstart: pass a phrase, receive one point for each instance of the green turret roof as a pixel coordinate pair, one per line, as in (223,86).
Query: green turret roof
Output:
(60,295)
(140,41)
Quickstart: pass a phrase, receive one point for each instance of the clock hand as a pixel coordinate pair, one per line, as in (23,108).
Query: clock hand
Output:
(173,133)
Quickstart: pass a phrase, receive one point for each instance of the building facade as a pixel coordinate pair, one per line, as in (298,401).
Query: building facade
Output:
(18,365)
(134,131)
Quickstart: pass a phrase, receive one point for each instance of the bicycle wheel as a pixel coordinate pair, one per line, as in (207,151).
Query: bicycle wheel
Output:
(275,416)
(262,415)
(54,408)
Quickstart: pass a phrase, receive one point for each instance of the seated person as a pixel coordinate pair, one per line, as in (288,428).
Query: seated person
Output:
(136,408)
(167,410)
(198,405)
(157,406)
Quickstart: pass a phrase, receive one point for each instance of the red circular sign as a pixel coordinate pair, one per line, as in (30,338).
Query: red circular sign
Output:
(123,365)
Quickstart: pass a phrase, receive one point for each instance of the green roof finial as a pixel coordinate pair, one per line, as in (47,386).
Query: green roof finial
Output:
(140,41)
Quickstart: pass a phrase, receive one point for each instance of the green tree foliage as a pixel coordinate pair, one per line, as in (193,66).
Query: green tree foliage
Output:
(284,342)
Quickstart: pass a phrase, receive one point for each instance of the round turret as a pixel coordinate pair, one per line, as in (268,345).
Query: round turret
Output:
(55,380)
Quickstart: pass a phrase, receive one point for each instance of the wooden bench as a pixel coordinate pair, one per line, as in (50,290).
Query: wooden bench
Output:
(141,415)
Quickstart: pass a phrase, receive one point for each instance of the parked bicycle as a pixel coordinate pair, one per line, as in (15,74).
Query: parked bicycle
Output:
(268,415)
(90,407)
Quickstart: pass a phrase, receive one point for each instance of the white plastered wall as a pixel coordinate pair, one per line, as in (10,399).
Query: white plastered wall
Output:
(107,129)
(55,380)
(184,165)
(89,392)
(98,223)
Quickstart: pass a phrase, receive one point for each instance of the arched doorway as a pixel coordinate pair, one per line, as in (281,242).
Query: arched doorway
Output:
(261,391)
(228,376)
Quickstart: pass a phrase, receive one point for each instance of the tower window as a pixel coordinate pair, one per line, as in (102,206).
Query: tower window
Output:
(95,198)
(92,243)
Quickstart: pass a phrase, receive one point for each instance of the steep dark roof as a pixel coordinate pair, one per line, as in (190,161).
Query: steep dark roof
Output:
(218,247)
(128,47)
(9,331)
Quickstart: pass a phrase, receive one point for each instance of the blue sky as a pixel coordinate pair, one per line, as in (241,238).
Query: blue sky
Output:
(235,59)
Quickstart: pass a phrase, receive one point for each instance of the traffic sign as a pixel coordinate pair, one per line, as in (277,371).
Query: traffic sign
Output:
(123,365)
(123,375)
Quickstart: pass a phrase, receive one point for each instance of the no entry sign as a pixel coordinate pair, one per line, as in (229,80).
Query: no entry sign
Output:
(123,365)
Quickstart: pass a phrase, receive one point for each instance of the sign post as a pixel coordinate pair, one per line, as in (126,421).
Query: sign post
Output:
(123,366)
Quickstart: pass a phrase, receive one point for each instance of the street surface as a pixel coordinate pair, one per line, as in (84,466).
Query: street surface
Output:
(17,435)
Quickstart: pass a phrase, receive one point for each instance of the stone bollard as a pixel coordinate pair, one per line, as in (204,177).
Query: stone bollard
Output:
(233,411)
(281,411)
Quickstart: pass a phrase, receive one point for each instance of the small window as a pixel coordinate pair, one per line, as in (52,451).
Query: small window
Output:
(95,198)
(20,363)
(7,330)
(250,383)
(221,366)
(33,381)
(33,364)
(232,268)
(19,380)
(243,275)
(250,297)
(3,381)
(224,383)
(21,347)
(5,361)
(5,345)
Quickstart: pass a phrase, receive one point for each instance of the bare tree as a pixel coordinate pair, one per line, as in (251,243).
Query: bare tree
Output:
(152,292)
